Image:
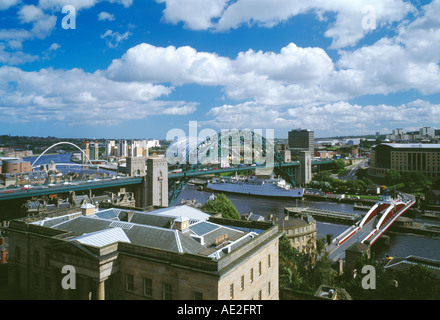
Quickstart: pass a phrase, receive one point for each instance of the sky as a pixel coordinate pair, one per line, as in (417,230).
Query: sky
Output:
(140,68)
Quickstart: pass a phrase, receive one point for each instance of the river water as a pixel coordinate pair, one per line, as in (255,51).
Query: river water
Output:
(64,158)
(401,244)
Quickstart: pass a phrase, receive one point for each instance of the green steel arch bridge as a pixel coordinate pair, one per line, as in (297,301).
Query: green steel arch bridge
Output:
(231,151)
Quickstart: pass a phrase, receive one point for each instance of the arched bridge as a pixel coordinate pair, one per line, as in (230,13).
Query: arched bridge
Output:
(229,151)
(373,225)
(60,143)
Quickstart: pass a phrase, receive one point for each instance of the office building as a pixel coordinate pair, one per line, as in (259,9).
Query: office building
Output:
(423,158)
(301,140)
(171,253)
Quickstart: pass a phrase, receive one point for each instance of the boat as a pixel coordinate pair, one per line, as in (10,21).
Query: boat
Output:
(251,185)
(76,157)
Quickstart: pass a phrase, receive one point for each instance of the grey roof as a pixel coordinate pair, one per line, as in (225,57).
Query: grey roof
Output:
(103,237)
(183,210)
(292,223)
(151,230)
(108,214)
(405,263)
(203,227)
(82,225)
(151,219)
(413,145)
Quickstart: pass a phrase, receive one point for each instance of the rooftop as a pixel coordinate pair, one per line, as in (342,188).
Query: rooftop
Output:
(180,229)
(405,263)
(413,145)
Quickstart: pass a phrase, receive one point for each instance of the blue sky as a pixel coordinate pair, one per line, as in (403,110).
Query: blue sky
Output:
(139,68)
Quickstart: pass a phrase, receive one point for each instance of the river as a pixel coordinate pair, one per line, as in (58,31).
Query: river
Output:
(401,245)
(64,158)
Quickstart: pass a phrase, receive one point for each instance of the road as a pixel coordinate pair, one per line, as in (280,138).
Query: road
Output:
(339,251)
(350,173)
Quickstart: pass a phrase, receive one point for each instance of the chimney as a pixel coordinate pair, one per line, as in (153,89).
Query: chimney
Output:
(181,223)
(88,209)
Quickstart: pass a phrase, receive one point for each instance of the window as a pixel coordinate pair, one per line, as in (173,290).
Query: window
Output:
(129,282)
(242,283)
(48,284)
(268,260)
(36,257)
(18,253)
(36,279)
(252,275)
(167,291)
(231,291)
(198,295)
(148,287)
(268,288)
(259,295)
(259,268)
(48,257)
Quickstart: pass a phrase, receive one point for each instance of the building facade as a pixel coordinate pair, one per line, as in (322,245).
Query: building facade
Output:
(300,230)
(15,166)
(301,140)
(423,158)
(129,148)
(168,254)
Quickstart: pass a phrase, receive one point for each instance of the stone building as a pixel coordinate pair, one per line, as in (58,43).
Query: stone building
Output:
(172,254)
(300,230)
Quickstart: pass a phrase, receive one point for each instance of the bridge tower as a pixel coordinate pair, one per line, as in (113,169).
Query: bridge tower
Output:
(153,191)
(305,160)
(135,166)
(157,182)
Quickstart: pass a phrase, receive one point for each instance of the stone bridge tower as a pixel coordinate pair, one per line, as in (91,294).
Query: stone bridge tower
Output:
(153,191)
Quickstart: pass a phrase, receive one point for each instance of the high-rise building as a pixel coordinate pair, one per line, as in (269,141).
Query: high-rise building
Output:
(85,155)
(94,150)
(427,132)
(301,140)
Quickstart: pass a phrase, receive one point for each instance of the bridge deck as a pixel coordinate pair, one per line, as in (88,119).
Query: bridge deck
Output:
(75,186)
(367,234)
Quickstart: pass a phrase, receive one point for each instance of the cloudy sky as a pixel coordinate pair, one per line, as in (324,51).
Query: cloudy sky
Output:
(139,68)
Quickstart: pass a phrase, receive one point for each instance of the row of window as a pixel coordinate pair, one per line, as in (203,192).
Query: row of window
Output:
(251,278)
(167,288)
(301,239)
(301,230)
(260,292)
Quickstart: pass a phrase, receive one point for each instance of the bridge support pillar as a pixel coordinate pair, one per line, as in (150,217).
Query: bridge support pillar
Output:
(135,166)
(154,188)
(305,174)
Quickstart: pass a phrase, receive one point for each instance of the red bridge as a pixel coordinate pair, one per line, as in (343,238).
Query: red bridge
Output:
(368,230)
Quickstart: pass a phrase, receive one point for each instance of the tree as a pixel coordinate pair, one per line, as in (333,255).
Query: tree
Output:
(338,165)
(415,181)
(221,204)
(392,177)
(417,283)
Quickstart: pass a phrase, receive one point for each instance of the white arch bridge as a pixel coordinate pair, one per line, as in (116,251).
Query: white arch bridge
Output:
(60,143)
